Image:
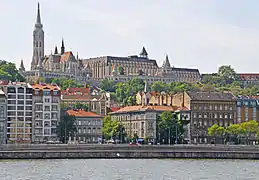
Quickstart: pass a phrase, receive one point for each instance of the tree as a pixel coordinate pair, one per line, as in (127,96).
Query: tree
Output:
(234,130)
(9,72)
(170,126)
(66,127)
(228,73)
(249,128)
(107,85)
(126,91)
(66,83)
(159,86)
(215,131)
(79,105)
(113,129)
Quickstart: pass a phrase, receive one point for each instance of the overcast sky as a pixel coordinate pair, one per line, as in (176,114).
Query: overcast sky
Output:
(201,34)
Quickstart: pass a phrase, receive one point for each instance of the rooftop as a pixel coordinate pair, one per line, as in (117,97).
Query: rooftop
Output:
(149,107)
(212,96)
(42,86)
(82,113)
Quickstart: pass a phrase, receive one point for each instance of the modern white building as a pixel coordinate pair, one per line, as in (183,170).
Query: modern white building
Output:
(46,112)
(3,117)
(19,112)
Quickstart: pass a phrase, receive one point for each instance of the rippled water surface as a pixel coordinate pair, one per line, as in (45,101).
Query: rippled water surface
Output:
(102,169)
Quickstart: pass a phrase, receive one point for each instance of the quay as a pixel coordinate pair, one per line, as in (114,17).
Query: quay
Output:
(64,151)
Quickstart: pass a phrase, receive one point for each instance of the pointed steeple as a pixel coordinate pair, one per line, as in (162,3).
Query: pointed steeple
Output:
(77,56)
(56,50)
(143,53)
(22,68)
(166,63)
(62,47)
(38,22)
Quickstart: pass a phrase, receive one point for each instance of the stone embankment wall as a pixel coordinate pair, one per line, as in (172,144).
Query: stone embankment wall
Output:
(125,151)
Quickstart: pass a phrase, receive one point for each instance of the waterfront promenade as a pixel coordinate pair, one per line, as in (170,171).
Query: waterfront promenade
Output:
(64,151)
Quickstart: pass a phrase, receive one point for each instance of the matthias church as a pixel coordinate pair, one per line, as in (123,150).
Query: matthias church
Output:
(65,64)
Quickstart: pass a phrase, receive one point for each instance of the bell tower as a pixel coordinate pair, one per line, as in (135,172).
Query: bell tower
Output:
(38,42)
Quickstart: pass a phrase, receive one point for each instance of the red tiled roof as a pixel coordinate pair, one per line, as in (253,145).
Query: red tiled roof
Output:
(45,86)
(247,76)
(76,91)
(114,109)
(65,56)
(3,82)
(155,108)
(82,113)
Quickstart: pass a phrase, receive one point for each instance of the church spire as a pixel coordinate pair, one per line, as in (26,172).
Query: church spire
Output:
(22,68)
(56,50)
(62,47)
(166,63)
(38,22)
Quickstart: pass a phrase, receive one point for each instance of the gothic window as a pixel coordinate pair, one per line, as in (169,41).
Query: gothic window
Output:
(36,44)
(40,44)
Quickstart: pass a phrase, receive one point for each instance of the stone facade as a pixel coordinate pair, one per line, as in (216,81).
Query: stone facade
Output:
(141,120)
(207,108)
(46,112)
(89,126)
(92,70)
(3,118)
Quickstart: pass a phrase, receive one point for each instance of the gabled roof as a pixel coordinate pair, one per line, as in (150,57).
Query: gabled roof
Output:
(248,76)
(149,107)
(82,113)
(45,86)
(65,56)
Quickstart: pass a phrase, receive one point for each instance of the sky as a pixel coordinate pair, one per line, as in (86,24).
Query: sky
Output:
(203,34)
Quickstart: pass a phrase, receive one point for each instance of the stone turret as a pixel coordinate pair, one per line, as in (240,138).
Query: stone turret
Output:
(143,53)
(22,68)
(56,50)
(62,47)
(166,63)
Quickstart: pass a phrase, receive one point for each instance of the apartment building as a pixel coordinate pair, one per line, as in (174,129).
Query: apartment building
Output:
(88,124)
(46,112)
(3,117)
(207,108)
(19,112)
(247,108)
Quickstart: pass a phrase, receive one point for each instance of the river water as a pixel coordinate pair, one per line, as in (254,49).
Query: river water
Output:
(139,169)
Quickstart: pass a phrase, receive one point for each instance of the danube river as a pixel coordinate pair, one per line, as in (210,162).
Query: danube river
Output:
(142,169)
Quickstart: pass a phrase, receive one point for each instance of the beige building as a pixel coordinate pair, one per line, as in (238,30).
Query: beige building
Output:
(3,117)
(89,126)
(46,112)
(141,120)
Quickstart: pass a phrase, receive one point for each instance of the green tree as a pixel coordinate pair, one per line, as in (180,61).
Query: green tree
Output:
(170,127)
(66,127)
(107,85)
(126,91)
(249,128)
(9,72)
(234,130)
(228,73)
(64,83)
(215,131)
(159,86)
(79,105)
(113,129)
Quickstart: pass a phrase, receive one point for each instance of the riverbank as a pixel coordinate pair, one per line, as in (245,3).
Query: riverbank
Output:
(127,152)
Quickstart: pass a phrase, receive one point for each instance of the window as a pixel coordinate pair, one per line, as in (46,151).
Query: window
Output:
(230,108)
(46,116)
(36,91)
(216,107)
(46,108)
(46,93)
(79,122)
(20,90)
(11,96)
(226,116)
(210,107)
(47,100)
(226,107)
(55,93)
(220,107)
